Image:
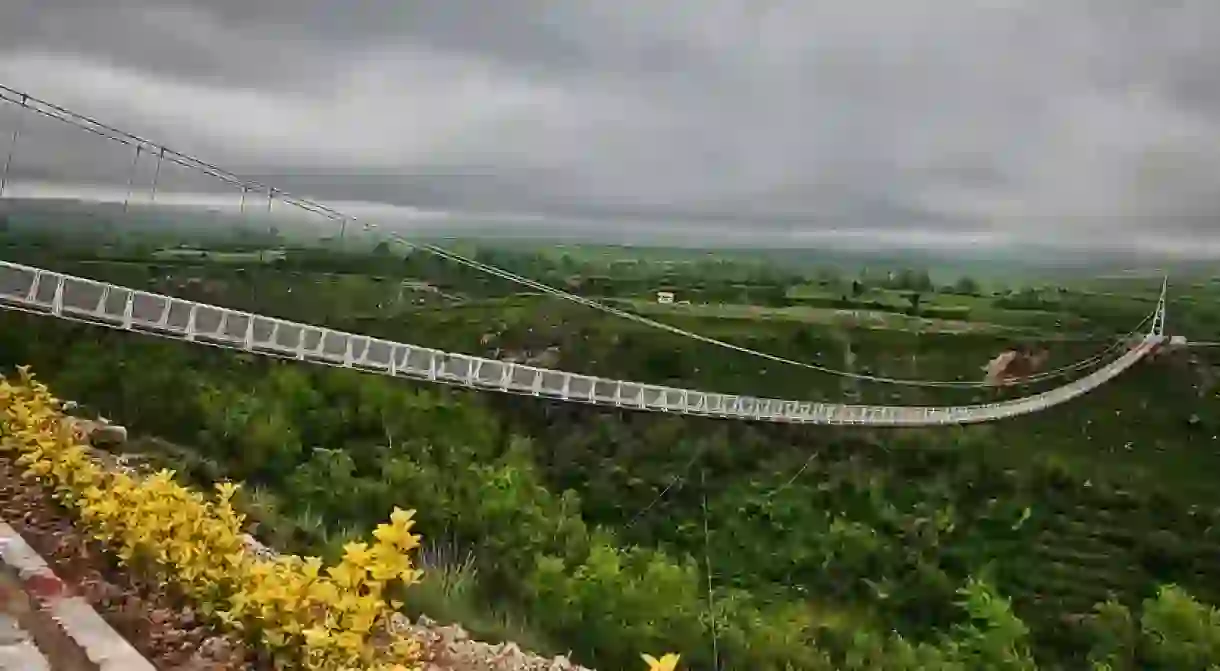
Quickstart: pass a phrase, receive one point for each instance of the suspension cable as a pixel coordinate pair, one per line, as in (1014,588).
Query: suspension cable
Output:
(91,125)
(707,569)
(12,144)
(152,193)
(29,103)
(131,175)
(504,274)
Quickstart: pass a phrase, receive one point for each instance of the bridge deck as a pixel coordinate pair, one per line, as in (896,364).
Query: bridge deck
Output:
(68,297)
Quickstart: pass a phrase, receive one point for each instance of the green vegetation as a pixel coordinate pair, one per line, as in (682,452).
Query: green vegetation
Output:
(827,548)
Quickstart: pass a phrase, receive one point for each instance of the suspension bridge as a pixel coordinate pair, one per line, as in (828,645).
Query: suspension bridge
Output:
(59,295)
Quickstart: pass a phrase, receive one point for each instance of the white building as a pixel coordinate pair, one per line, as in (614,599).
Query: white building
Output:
(665,297)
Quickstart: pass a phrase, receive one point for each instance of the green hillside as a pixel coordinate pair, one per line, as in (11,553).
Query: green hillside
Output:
(819,541)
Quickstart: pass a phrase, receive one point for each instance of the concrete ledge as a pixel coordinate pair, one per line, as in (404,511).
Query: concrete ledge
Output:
(74,616)
(17,648)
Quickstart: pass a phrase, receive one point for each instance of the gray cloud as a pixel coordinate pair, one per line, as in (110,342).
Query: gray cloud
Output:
(1082,118)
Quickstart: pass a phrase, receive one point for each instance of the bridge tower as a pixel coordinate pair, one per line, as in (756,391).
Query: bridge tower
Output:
(1158,319)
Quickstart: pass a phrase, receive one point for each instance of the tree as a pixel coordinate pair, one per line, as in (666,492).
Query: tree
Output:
(1115,638)
(827,276)
(967,286)
(1179,632)
(1173,631)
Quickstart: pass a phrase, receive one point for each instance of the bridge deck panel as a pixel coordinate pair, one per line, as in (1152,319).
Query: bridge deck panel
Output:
(113,306)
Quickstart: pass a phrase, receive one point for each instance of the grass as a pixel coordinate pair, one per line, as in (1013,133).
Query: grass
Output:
(451,591)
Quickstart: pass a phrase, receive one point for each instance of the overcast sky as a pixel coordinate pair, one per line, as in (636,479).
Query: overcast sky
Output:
(936,119)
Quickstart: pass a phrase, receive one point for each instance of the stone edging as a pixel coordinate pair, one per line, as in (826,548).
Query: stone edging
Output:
(78,620)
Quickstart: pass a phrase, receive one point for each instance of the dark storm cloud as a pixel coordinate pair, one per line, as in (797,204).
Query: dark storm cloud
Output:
(1071,117)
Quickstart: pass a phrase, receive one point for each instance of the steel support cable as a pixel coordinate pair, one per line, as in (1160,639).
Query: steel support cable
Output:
(90,124)
(679,479)
(808,462)
(152,195)
(707,568)
(503,274)
(131,175)
(190,162)
(551,290)
(96,127)
(12,144)
(167,154)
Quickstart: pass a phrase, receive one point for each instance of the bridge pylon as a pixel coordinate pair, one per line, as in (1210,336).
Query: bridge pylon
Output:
(1158,319)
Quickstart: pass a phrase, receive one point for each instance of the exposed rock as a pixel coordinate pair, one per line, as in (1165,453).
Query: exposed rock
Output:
(1013,364)
(549,358)
(99,433)
(111,435)
(256,548)
(213,653)
(448,648)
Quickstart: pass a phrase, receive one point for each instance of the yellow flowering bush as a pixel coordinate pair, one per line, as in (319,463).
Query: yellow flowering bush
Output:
(306,615)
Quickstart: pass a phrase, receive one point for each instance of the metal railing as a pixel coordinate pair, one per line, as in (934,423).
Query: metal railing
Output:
(68,297)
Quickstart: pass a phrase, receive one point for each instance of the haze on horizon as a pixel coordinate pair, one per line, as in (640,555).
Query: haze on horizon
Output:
(1083,123)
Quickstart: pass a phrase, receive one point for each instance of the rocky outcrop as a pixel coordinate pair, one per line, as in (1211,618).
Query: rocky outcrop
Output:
(108,436)
(449,647)
(100,432)
(1013,364)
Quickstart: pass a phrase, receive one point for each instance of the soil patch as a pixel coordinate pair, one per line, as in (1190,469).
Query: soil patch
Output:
(158,623)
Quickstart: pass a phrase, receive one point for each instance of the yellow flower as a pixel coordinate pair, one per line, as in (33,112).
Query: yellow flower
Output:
(346,575)
(394,535)
(357,554)
(225,490)
(668,662)
(317,637)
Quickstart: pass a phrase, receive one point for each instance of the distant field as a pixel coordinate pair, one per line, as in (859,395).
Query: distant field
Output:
(207,256)
(809,315)
(293,294)
(1193,300)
